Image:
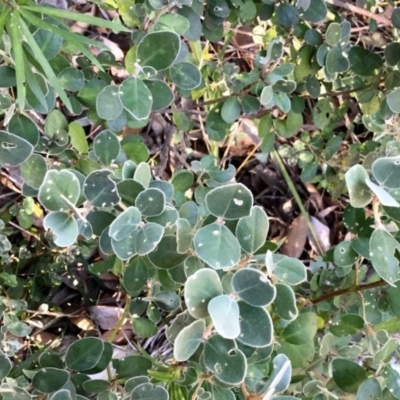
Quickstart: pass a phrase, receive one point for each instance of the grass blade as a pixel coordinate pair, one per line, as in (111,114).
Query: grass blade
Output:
(45,65)
(78,40)
(4,13)
(87,19)
(16,43)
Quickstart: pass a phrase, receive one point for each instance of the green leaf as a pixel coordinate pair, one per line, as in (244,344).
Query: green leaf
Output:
(106,147)
(136,152)
(71,79)
(200,288)
(48,380)
(182,180)
(382,252)
(142,174)
(125,248)
(150,202)
(279,379)
(136,98)
(125,223)
(166,256)
(13,149)
(183,235)
(393,100)
(84,354)
(344,255)
(335,61)
(392,54)
(333,34)
(267,96)
(172,22)
(162,94)
(7,76)
(369,389)
(217,246)
(383,196)
(256,327)
(41,58)
(396,18)
(59,189)
(5,366)
(100,190)
(108,103)
(148,237)
(232,201)
(33,170)
(19,62)
(143,327)
(85,18)
(223,359)
(48,42)
(348,375)
(185,75)
(151,54)
(146,391)
(349,324)
(359,192)
(386,171)
(135,275)
(23,127)
(230,110)
(253,287)
(252,231)
(290,270)
(316,12)
(62,394)
(64,226)
(363,62)
(285,302)
(224,313)
(302,329)
(188,340)
(78,137)
(312,86)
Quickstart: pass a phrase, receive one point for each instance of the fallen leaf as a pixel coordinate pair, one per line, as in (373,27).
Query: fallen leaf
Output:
(296,238)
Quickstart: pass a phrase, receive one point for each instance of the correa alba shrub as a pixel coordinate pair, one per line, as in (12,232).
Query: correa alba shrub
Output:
(244,321)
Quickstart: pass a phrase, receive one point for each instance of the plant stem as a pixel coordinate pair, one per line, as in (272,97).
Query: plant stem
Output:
(351,289)
(121,320)
(297,198)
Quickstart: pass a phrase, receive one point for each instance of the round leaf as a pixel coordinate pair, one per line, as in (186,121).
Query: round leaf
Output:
(148,237)
(290,270)
(230,201)
(349,324)
(185,75)
(393,100)
(125,224)
(84,353)
(23,127)
(108,103)
(136,98)
(48,380)
(58,189)
(359,193)
(188,340)
(230,110)
(386,171)
(166,256)
(106,147)
(382,252)
(150,202)
(255,326)
(224,313)
(63,226)
(252,231)
(369,389)
(146,391)
(200,288)
(253,287)
(226,361)
(348,375)
(100,190)
(301,330)
(5,366)
(285,302)
(217,246)
(13,149)
(151,54)
(162,94)
(33,170)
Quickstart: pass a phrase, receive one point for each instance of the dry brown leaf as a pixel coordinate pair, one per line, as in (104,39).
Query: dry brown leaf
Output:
(296,238)
(43,338)
(105,317)
(83,323)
